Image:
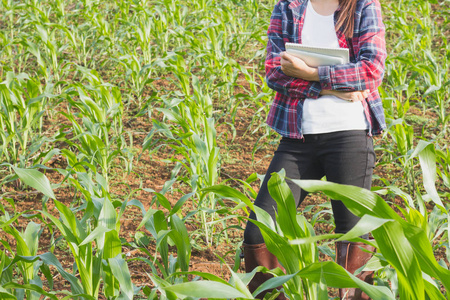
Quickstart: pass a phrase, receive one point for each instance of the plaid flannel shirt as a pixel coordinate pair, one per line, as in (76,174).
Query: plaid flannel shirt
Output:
(365,70)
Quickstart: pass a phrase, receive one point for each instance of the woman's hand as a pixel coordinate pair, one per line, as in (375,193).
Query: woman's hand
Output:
(296,67)
(348,96)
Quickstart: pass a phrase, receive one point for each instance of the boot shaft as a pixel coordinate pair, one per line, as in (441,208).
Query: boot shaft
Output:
(258,255)
(351,257)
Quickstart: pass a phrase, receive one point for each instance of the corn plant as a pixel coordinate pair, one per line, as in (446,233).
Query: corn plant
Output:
(193,136)
(405,244)
(143,34)
(403,136)
(102,122)
(52,50)
(137,76)
(436,81)
(305,276)
(200,154)
(443,159)
(25,264)
(212,54)
(77,38)
(27,243)
(94,239)
(175,280)
(21,113)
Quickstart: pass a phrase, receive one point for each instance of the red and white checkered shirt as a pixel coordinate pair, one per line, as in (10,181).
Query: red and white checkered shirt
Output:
(365,70)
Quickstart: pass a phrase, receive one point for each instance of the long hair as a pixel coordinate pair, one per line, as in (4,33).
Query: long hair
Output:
(346,17)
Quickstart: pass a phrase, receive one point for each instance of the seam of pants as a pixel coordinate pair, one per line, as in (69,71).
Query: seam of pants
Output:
(367,161)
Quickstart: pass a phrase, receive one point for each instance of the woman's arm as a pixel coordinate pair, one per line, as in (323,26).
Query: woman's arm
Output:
(276,79)
(368,71)
(348,96)
(296,67)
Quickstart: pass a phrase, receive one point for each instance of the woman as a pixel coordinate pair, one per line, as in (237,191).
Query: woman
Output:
(326,115)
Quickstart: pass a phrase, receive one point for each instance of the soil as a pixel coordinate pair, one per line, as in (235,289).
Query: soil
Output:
(151,171)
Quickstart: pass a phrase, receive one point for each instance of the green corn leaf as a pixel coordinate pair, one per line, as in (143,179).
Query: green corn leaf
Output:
(212,165)
(397,250)
(208,276)
(289,223)
(155,222)
(35,179)
(238,284)
(13,219)
(99,231)
(5,260)
(162,200)
(247,277)
(163,246)
(31,237)
(390,237)
(108,216)
(65,231)
(359,201)
(279,246)
(45,269)
(149,214)
(22,247)
(374,205)
(161,285)
(265,218)
(30,287)
(180,236)
(81,255)
(424,253)
(112,245)
(273,283)
(314,239)
(49,155)
(180,203)
(136,203)
(335,276)
(205,289)
(120,271)
(5,295)
(69,219)
(432,290)
(228,192)
(367,224)
(287,212)
(427,159)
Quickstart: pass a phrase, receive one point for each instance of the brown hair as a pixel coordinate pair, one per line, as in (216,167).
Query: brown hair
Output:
(346,17)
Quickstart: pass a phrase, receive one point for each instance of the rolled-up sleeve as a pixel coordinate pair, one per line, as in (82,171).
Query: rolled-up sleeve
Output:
(368,70)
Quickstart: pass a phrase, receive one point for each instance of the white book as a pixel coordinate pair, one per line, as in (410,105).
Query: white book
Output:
(318,56)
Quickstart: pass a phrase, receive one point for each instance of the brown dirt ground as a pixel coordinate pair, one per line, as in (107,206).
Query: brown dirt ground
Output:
(151,171)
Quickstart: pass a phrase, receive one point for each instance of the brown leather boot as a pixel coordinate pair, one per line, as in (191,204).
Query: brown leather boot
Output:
(350,256)
(258,255)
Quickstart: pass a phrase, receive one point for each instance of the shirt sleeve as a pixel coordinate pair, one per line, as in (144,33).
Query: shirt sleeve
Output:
(275,78)
(368,70)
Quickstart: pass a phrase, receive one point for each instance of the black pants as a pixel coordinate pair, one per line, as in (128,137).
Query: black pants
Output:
(345,157)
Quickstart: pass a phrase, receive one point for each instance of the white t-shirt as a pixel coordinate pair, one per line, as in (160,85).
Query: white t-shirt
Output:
(327,113)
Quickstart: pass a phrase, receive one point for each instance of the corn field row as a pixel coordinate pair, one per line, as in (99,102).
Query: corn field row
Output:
(75,74)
